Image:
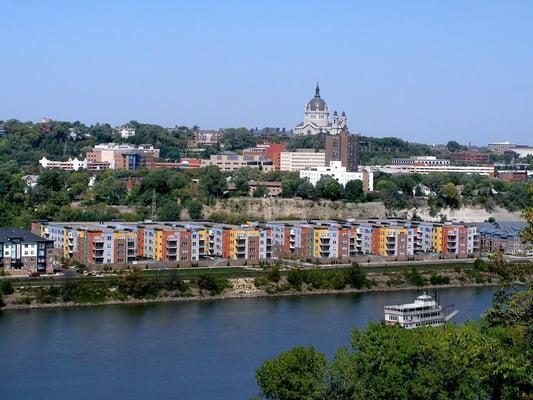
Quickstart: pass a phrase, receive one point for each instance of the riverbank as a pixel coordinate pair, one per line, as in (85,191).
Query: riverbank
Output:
(138,287)
(237,294)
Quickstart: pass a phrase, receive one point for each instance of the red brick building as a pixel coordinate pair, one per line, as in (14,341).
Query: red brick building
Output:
(470,157)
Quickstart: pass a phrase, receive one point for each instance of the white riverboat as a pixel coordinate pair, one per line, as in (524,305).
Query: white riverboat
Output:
(424,311)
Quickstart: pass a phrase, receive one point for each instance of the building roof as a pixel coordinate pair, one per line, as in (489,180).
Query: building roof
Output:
(504,230)
(7,234)
(316,103)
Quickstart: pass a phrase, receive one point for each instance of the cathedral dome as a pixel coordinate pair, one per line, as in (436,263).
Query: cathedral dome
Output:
(316,103)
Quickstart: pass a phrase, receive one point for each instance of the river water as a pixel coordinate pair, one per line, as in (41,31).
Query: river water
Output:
(192,350)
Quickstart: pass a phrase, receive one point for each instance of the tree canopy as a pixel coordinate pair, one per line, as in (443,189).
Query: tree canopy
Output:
(490,359)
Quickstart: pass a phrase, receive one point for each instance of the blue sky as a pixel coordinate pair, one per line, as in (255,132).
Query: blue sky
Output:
(427,71)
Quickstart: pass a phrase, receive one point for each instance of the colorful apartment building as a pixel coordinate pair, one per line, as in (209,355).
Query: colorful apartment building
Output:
(174,242)
(391,241)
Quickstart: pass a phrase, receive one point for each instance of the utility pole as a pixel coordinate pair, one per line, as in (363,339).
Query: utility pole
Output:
(154,206)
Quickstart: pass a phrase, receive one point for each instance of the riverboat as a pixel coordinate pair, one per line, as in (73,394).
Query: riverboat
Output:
(424,311)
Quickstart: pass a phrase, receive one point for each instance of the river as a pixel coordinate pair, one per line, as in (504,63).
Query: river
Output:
(191,350)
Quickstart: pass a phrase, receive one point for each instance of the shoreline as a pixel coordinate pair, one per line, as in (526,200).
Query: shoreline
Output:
(237,295)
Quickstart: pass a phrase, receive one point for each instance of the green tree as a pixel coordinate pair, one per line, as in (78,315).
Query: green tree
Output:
(298,374)
(212,181)
(453,146)
(354,191)
(239,138)
(305,190)
(110,190)
(194,207)
(51,180)
(329,188)
(451,195)
(260,191)
(527,234)
(169,211)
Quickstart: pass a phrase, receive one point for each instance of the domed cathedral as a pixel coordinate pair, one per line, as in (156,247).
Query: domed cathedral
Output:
(316,118)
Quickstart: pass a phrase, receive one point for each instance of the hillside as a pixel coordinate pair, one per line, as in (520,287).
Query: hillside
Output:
(269,209)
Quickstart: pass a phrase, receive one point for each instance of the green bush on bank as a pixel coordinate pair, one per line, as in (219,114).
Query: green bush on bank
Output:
(6,287)
(212,283)
(414,277)
(328,279)
(435,279)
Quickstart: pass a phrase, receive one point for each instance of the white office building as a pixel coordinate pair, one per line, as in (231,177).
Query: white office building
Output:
(339,173)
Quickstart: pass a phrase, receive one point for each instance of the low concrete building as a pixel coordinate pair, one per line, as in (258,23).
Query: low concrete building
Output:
(500,147)
(273,188)
(522,151)
(423,160)
(428,169)
(227,162)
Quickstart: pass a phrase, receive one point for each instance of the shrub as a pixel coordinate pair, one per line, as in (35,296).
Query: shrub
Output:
(439,280)
(295,278)
(48,295)
(273,274)
(479,265)
(260,281)
(136,284)
(84,291)
(173,282)
(6,287)
(212,283)
(337,280)
(355,277)
(23,300)
(414,277)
